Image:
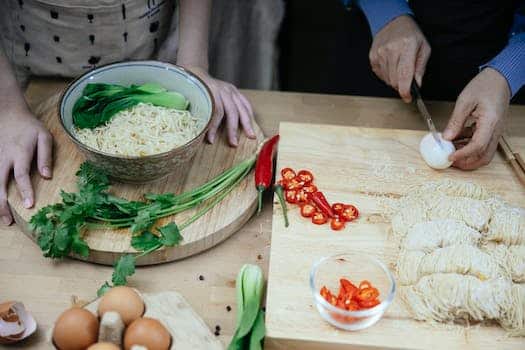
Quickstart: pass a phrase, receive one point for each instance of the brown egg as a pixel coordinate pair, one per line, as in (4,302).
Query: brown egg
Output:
(75,329)
(123,300)
(147,332)
(103,346)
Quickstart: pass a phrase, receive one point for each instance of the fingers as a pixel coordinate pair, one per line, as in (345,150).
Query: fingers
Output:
(232,117)
(244,115)
(44,154)
(247,104)
(476,161)
(5,214)
(23,180)
(422,57)
(216,120)
(405,72)
(462,110)
(479,143)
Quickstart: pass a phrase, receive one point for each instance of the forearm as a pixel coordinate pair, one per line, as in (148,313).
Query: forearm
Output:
(510,62)
(194,23)
(11,97)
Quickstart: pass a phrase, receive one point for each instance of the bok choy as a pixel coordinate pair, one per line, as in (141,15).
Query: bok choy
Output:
(250,329)
(100,102)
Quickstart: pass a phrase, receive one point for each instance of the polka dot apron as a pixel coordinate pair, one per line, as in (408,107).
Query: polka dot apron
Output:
(66,38)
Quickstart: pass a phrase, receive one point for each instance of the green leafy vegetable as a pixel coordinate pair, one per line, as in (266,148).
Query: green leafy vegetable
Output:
(250,329)
(100,102)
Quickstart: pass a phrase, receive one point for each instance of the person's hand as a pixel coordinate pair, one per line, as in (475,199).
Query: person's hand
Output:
(20,135)
(485,100)
(229,103)
(400,53)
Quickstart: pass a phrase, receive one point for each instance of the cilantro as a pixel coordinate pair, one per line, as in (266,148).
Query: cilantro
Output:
(170,234)
(145,241)
(102,290)
(124,267)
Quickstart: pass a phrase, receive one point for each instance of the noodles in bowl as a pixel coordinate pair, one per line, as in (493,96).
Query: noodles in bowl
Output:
(142,130)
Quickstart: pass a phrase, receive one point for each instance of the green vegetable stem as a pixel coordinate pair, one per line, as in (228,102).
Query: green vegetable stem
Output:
(250,329)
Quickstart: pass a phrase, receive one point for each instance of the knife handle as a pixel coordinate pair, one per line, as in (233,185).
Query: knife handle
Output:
(414,91)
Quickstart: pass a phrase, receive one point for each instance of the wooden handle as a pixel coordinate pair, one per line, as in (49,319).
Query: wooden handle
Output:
(520,173)
(520,161)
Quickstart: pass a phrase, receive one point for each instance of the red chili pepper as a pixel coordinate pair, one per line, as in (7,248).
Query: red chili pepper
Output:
(288,174)
(337,224)
(291,196)
(308,210)
(280,194)
(319,218)
(305,176)
(320,200)
(264,168)
(350,213)
(338,208)
(310,188)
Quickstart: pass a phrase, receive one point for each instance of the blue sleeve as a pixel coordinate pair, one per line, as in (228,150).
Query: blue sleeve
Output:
(510,62)
(380,12)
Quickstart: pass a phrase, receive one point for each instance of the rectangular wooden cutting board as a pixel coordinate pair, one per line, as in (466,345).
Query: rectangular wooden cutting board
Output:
(361,166)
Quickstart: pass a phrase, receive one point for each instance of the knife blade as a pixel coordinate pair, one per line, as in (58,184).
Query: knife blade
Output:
(418,101)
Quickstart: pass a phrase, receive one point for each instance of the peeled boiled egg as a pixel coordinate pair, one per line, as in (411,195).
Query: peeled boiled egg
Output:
(124,300)
(434,154)
(103,346)
(75,329)
(147,332)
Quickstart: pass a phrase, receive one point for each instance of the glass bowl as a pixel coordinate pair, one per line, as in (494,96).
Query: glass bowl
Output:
(355,267)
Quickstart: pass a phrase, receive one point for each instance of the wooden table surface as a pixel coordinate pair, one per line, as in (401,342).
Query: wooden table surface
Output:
(46,287)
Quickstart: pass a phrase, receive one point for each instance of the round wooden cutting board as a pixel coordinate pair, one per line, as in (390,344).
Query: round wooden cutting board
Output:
(107,245)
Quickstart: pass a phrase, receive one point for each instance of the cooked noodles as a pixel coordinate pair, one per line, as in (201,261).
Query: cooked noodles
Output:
(142,130)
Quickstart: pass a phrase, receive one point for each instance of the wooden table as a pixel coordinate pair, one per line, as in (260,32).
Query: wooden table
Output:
(46,287)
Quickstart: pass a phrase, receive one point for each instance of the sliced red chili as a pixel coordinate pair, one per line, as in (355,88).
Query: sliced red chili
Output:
(347,286)
(365,284)
(301,196)
(367,294)
(319,218)
(352,306)
(305,176)
(291,196)
(349,213)
(324,292)
(337,224)
(320,200)
(338,208)
(367,304)
(288,174)
(310,188)
(294,184)
(308,210)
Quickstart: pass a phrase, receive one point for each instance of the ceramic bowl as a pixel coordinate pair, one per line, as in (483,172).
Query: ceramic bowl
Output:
(135,169)
(355,267)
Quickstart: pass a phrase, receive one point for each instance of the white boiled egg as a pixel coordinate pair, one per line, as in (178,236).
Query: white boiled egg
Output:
(434,154)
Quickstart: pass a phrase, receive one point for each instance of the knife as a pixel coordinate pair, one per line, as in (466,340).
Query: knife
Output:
(418,101)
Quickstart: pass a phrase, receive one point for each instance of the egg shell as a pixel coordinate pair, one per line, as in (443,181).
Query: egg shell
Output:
(103,346)
(435,155)
(75,329)
(147,332)
(124,300)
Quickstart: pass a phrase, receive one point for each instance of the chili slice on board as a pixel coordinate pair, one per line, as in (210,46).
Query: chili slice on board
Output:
(338,208)
(319,218)
(288,174)
(320,200)
(308,210)
(349,213)
(290,196)
(337,224)
(305,176)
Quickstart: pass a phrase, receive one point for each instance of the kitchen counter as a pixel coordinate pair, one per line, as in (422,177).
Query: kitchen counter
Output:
(46,287)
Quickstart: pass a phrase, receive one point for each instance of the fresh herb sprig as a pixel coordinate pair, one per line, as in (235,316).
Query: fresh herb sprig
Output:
(59,227)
